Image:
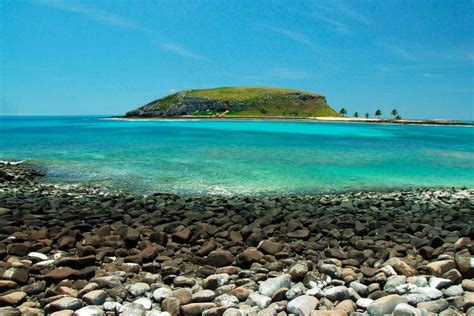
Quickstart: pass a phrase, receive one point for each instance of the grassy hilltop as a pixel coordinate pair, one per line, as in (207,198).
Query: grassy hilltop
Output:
(238,101)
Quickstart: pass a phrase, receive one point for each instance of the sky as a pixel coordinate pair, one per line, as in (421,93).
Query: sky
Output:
(107,57)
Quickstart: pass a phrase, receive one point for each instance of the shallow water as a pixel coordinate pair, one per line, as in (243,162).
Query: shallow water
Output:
(243,157)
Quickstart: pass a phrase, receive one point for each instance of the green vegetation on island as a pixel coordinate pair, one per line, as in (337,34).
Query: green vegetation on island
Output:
(238,102)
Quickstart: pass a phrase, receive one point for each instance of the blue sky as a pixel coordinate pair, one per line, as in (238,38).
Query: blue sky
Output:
(106,57)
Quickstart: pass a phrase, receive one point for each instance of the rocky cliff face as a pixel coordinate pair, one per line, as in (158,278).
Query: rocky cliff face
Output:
(184,105)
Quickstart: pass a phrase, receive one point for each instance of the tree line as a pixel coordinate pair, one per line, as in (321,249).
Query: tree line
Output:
(378,114)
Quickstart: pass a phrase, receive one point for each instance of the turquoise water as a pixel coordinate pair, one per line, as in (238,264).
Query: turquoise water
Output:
(251,157)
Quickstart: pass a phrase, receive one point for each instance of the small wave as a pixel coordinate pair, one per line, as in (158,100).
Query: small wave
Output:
(10,162)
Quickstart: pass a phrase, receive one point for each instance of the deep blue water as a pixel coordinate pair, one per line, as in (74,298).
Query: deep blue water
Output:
(247,157)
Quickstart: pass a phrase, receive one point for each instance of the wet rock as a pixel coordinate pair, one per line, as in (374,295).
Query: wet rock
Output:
(182,236)
(17,274)
(270,247)
(298,272)
(59,274)
(216,280)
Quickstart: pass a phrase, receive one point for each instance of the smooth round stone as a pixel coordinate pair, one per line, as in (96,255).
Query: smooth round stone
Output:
(138,289)
(385,305)
(260,300)
(112,306)
(434,306)
(161,293)
(38,255)
(452,291)
(203,296)
(90,310)
(302,305)
(96,297)
(364,302)
(439,283)
(227,300)
(406,310)
(337,293)
(144,302)
(270,286)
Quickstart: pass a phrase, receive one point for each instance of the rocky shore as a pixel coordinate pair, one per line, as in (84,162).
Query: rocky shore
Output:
(84,251)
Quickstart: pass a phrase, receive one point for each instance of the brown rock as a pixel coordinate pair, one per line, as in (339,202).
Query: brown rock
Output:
(67,243)
(439,268)
(150,252)
(300,234)
(196,309)
(13,298)
(18,274)
(270,247)
(220,258)
(59,274)
(241,293)
(182,236)
(18,249)
(207,247)
(249,256)
(171,305)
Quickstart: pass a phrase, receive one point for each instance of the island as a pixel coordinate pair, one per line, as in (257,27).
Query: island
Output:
(238,102)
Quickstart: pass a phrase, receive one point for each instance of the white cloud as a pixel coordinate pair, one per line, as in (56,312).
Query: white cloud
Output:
(180,50)
(89,12)
(295,36)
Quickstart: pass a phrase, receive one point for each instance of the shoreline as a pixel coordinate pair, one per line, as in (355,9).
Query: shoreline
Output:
(299,119)
(360,253)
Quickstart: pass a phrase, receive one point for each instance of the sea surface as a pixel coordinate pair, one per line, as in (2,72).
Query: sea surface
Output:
(240,157)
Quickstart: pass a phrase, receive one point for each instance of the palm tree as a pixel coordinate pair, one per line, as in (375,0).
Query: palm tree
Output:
(356,114)
(378,113)
(394,112)
(366,115)
(343,112)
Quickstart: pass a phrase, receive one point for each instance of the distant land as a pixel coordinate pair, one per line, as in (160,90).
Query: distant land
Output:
(266,103)
(238,102)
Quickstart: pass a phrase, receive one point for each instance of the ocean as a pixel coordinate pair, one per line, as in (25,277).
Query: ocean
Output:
(240,157)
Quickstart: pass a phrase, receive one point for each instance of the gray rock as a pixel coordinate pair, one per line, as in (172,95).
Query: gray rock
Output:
(337,293)
(385,305)
(131,310)
(214,281)
(394,281)
(452,291)
(112,306)
(360,288)
(227,300)
(439,283)
(96,297)
(260,300)
(143,302)
(406,310)
(302,305)
(90,310)
(364,302)
(71,303)
(270,286)
(138,289)
(298,271)
(434,306)
(161,293)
